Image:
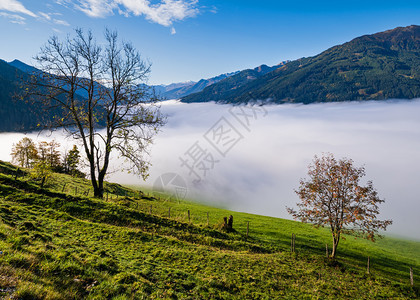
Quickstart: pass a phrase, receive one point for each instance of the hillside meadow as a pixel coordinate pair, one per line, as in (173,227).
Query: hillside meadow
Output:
(59,243)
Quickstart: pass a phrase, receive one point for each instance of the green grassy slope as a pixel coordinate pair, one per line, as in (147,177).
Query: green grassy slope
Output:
(57,244)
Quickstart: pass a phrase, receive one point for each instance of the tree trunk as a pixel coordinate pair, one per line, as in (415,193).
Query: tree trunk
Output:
(333,250)
(336,239)
(98,192)
(96,189)
(100,188)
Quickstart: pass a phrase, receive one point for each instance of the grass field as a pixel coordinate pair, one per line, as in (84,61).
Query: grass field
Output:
(58,243)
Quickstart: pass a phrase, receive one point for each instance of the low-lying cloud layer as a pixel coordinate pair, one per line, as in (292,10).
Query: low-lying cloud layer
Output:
(260,172)
(251,159)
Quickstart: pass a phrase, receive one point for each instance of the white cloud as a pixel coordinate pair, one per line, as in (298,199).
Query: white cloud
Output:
(173,31)
(15,6)
(214,9)
(61,22)
(48,17)
(14,18)
(96,8)
(164,13)
(44,15)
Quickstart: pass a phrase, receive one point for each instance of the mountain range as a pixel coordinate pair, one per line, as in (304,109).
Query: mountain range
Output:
(182,89)
(380,66)
(372,67)
(15,114)
(18,114)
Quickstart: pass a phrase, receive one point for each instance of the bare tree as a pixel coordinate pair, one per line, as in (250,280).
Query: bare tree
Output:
(334,197)
(100,99)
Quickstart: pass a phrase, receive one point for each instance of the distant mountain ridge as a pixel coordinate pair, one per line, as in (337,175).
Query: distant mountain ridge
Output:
(23,67)
(20,114)
(380,66)
(230,84)
(181,89)
(30,70)
(371,67)
(15,114)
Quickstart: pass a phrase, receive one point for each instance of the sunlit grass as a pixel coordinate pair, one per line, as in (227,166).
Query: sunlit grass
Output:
(59,244)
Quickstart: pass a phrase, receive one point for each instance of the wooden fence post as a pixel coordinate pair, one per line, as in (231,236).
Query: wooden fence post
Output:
(368,265)
(189,217)
(326,250)
(169,213)
(75,191)
(247,229)
(411,276)
(292,246)
(207,218)
(150,209)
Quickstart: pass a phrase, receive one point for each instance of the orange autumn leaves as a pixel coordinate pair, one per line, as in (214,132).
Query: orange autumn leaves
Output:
(334,197)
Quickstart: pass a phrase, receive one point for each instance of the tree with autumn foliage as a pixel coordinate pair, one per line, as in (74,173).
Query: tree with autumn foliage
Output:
(24,153)
(334,197)
(49,153)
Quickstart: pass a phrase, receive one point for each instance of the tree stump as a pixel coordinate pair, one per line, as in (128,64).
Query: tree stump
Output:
(230,223)
(225,222)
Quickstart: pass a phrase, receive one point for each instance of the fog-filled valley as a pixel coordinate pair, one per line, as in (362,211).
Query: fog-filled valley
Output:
(250,158)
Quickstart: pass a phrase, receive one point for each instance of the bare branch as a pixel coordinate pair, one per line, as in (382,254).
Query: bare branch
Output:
(100,98)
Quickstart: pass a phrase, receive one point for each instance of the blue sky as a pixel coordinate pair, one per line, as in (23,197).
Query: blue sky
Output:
(194,39)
